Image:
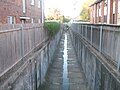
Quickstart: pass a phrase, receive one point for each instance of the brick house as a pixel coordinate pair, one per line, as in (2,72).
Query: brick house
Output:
(105,11)
(20,11)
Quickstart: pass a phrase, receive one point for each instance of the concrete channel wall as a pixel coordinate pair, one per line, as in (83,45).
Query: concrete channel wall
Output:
(29,72)
(101,74)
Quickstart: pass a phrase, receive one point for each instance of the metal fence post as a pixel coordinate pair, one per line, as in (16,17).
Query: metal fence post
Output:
(118,66)
(91,33)
(22,50)
(82,30)
(22,42)
(86,32)
(100,45)
(35,70)
(34,29)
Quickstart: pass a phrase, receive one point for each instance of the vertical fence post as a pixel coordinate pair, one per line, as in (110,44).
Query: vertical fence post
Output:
(91,33)
(34,35)
(35,69)
(22,42)
(118,66)
(100,45)
(78,29)
(82,30)
(42,33)
(86,32)
(22,50)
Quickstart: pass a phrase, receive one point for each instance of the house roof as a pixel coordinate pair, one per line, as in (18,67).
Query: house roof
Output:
(97,1)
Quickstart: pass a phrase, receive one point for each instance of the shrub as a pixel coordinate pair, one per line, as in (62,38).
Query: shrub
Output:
(52,27)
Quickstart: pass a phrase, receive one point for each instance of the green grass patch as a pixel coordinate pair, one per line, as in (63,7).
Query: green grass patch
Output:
(52,27)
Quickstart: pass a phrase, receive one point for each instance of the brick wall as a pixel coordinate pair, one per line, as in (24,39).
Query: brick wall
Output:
(15,8)
(110,13)
(8,8)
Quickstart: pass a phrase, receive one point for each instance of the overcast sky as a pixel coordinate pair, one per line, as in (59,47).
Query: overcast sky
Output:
(68,7)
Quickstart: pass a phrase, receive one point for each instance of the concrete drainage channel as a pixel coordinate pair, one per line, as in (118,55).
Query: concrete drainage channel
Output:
(65,69)
(64,72)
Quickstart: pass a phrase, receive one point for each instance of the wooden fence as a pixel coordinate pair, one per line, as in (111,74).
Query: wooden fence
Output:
(16,41)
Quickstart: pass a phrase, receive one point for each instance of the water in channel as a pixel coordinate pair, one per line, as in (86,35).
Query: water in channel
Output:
(65,69)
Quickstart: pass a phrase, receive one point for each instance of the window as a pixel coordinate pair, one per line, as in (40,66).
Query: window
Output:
(105,7)
(10,19)
(100,10)
(119,12)
(105,10)
(24,6)
(113,18)
(39,21)
(32,20)
(114,7)
(119,19)
(39,3)
(105,3)
(32,2)
(97,12)
(119,6)
(99,18)
(105,18)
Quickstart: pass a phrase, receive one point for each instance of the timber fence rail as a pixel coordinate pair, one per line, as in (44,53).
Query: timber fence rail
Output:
(16,41)
(105,38)
(26,51)
(98,52)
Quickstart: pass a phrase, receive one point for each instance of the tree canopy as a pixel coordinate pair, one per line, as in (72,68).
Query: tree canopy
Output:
(85,11)
(56,15)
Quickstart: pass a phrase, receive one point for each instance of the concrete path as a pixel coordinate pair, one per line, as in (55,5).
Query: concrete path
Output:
(65,73)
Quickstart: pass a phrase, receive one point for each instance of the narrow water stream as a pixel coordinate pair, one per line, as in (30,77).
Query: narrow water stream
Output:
(65,69)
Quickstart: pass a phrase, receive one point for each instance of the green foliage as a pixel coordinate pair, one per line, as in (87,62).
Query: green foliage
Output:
(52,27)
(54,15)
(66,20)
(85,12)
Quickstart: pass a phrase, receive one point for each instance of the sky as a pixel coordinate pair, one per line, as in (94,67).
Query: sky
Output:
(67,7)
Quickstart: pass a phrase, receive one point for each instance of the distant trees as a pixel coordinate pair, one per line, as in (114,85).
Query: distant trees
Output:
(85,11)
(55,14)
(66,19)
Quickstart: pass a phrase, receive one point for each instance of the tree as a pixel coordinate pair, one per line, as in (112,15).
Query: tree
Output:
(85,11)
(54,15)
(66,19)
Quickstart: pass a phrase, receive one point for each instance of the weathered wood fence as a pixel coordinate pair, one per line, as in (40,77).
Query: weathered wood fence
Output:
(105,38)
(25,54)
(98,49)
(16,41)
